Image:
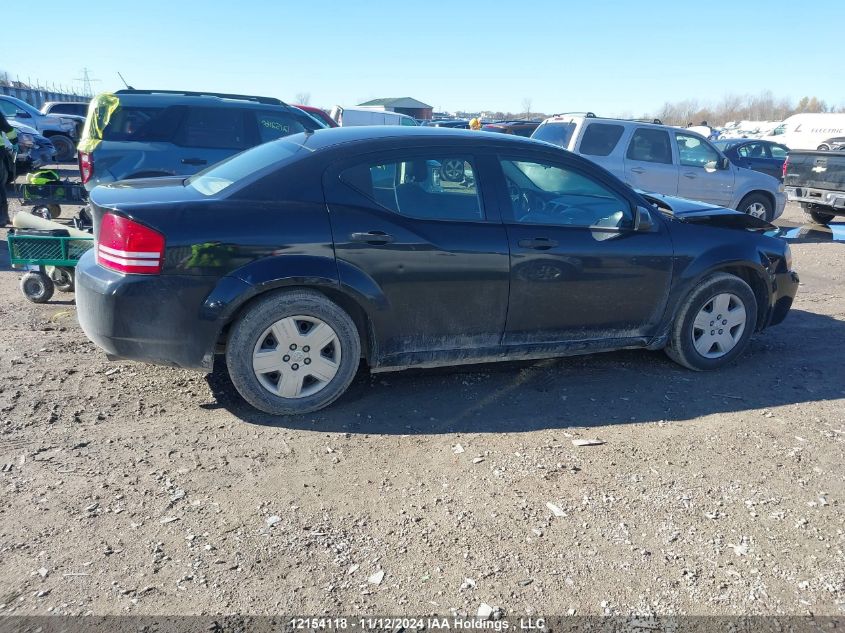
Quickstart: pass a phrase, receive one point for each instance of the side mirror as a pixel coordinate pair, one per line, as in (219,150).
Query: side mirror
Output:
(724,162)
(20,114)
(643,223)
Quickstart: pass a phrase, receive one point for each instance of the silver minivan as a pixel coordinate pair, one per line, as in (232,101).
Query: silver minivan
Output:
(663,159)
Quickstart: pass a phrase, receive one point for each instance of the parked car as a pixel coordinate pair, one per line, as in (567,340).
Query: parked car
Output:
(458,124)
(808,130)
(64,108)
(61,131)
(348,117)
(834,143)
(663,159)
(145,133)
(299,258)
(34,150)
(518,127)
(74,110)
(319,113)
(762,156)
(817,181)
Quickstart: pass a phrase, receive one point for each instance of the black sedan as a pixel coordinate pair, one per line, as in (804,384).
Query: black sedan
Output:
(302,256)
(752,153)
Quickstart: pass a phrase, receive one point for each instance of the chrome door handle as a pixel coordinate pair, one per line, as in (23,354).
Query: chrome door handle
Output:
(638,170)
(690,174)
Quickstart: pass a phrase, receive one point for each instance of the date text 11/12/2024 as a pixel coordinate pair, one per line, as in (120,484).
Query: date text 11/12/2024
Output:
(422,623)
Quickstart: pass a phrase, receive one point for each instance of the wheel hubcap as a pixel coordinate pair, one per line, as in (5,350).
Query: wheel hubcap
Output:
(296,357)
(452,169)
(757,209)
(719,325)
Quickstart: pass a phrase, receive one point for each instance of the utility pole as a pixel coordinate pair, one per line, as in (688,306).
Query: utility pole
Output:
(87,82)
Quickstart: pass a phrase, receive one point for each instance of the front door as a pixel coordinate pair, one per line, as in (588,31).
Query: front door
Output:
(701,176)
(419,229)
(579,270)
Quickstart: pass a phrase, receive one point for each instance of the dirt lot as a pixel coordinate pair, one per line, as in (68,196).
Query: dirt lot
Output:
(129,488)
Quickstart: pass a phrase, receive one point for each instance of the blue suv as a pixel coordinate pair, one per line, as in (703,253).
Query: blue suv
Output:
(148,133)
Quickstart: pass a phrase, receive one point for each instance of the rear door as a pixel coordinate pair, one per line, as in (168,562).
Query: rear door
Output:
(649,163)
(700,176)
(579,270)
(433,248)
(757,155)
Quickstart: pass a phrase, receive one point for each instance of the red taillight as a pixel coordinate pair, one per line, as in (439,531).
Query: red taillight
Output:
(785,163)
(86,166)
(129,247)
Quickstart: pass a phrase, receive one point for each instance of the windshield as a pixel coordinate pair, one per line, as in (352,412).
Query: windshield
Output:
(556,133)
(219,177)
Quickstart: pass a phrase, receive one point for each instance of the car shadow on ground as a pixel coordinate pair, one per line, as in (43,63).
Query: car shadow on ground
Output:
(797,362)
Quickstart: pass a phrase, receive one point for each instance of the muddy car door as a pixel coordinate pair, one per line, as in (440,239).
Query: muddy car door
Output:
(583,266)
(427,238)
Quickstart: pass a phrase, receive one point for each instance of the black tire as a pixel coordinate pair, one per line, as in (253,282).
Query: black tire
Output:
(37,287)
(818,216)
(823,148)
(65,147)
(63,279)
(681,348)
(757,198)
(265,312)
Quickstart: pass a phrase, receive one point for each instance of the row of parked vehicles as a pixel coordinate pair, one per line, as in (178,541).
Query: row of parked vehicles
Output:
(239,225)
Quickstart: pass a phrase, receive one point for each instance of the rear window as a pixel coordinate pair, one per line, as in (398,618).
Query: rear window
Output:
(650,146)
(143,124)
(557,133)
(218,177)
(600,138)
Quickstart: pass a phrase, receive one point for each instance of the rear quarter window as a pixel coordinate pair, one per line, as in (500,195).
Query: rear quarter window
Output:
(276,124)
(600,139)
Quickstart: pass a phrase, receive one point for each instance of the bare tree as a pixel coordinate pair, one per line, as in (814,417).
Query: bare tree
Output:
(527,102)
(303,98)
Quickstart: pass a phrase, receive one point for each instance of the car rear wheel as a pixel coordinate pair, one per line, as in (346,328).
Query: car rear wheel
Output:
(293,352)
(757,205)
(823,147)
(714,324)
(817,215)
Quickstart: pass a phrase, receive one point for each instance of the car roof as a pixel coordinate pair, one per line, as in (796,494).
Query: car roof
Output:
(384,135)
(149,97)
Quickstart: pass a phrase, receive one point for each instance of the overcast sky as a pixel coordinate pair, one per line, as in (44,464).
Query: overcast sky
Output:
(612,57)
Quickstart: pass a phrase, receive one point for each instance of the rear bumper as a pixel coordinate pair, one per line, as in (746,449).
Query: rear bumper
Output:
(784,289)
(155,319)
(835,200)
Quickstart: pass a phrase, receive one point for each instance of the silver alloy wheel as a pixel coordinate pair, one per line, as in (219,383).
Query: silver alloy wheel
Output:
(452,169)
(719,325)
(757,210)
(296,357)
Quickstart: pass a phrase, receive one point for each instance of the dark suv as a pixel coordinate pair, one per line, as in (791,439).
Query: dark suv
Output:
(301,256)
(145,133)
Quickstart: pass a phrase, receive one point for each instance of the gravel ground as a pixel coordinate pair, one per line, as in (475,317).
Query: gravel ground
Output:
(128,488)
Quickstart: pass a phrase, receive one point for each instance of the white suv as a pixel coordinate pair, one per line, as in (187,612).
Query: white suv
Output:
(664,159)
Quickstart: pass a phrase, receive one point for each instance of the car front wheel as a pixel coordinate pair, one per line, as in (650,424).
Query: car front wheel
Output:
(293,352)
(714,324)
